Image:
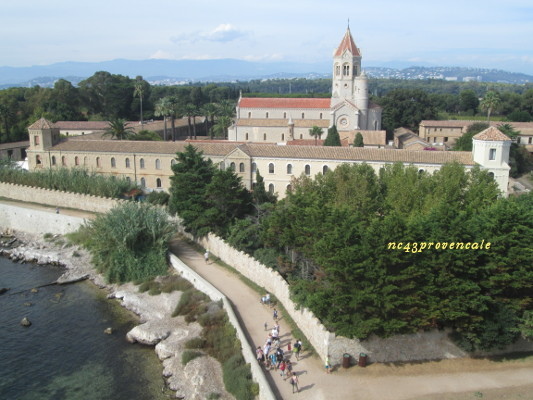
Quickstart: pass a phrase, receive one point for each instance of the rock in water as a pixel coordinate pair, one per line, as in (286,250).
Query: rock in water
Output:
(3,290)
(25,322)
(108,331)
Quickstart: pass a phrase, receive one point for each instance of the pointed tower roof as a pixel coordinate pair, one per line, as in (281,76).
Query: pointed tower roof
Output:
(41,123)
(492,134)
(347,43)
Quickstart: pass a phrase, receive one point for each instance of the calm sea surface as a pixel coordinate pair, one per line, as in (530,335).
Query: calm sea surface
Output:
(65,354)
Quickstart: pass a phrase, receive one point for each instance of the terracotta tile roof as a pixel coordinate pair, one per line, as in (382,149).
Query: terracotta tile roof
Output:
(42,123)
(348,154)
(347,43)
(271,122)
(82,125)
(492,134)
(14,145)
(370,138)
(284,102)
(523,127)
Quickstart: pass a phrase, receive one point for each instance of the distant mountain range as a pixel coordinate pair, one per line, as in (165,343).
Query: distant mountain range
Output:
(172,72)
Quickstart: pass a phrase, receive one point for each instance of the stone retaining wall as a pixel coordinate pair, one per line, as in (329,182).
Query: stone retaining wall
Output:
(265,392)
(57,198)
(37,221)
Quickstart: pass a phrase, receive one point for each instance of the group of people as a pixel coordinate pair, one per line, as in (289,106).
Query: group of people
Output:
(274,358)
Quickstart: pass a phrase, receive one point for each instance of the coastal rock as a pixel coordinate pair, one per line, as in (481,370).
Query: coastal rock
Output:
(149,333)
(108,331)
(3,290)
(174,345)
(25,322)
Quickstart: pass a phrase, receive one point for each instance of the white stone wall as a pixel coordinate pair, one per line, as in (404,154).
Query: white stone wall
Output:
(265,392)
(37,221)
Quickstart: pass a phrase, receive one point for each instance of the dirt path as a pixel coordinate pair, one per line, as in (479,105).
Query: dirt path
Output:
(442,380)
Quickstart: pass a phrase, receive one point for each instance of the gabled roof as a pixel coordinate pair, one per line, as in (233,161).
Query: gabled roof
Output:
(347,43)
(269,102)
(492,134)
(282,123)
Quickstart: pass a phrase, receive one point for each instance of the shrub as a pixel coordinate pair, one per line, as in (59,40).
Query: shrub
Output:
(189,355)
(130,242)
(195,343)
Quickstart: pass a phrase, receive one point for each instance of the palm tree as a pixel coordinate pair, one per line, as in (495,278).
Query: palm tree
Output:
(163,108)
(5,115)
(225,114)
(118,129)
(174,104)
(138,91)
(316,132)
(191,111)
(490,102)
(209,110)
(221,126)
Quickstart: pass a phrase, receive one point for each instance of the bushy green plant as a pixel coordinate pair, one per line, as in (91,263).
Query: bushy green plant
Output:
(195,343)
(130,242)
(189,355)
(158,198)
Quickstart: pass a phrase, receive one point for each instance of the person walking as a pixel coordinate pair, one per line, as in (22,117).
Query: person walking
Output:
(296,349)
(288,368)
(282,367)
(206,256)
(328,365)
(275,315)
(294,383)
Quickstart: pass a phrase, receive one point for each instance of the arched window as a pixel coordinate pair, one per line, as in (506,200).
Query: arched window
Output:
(289,168)
(98,162)
(301,136)
(264,136)
(282,137)
(491,174)
(85,160)
(325,169)
(346,70)
(143,182)
(63,160)
(232,166)
(222,165)
(172,162)
(37,159)
(308,169)
(254,167)
(320,115)
(241,167)
(249,115)
(76,160)
(157,164)
(158,182)
(246,136)
(337,70)
(53,160)
(289,188)
(113,162)
(271,168)
(36,140)
(266,115)
(141,163)
(127,162)
(303,115)
(271,188)
(284,115)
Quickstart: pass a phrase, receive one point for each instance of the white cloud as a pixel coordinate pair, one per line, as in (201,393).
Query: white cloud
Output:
(161,55)
(222,33)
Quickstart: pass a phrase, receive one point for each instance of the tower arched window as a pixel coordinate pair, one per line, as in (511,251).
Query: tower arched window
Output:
(346,70)
(337,70)
(271,168)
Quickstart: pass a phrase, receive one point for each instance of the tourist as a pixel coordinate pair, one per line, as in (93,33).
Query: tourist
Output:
(266,326)
(288,368)
(282,367)
(328,365)
(206,256)
(294,383)
(275,315)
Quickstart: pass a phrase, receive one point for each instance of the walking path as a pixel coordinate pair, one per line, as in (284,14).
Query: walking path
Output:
(456,379)
(377,381)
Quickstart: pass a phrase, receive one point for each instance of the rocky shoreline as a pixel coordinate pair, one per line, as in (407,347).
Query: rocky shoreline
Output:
(199,379)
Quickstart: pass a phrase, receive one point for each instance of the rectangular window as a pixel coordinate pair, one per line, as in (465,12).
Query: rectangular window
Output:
(492,154)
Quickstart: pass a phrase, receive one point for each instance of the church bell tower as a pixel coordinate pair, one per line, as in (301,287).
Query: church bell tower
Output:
(346,68)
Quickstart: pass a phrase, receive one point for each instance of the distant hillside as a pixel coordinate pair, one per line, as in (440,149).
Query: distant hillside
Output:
(172,72)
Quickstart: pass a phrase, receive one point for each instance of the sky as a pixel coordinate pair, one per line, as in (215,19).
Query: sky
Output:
(472,33)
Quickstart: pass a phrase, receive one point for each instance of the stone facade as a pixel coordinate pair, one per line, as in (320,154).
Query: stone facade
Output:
(280,120)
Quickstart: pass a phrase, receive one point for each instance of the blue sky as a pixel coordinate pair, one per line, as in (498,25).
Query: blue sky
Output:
(485,34)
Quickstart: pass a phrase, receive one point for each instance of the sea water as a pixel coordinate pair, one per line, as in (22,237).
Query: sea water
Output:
(65,353)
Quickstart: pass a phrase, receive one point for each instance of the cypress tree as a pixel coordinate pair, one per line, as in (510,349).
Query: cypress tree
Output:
(333,138)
